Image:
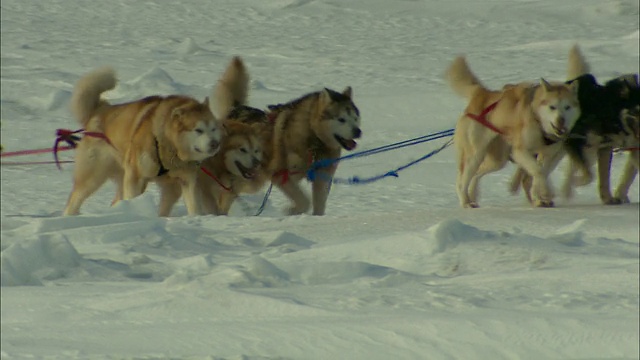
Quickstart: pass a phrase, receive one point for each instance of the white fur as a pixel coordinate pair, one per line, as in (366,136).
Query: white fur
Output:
(204,139)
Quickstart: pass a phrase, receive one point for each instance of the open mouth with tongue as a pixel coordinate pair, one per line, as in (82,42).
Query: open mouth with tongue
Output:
(346,144)
(247,173)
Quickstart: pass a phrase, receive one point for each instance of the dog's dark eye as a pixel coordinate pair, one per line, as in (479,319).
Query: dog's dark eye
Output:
(567,107)
(243,150)
(199,131)
(552,107)
(342,120)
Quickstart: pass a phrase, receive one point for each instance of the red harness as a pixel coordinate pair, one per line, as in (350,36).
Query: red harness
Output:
(482,118)
(285,174)
(215,178)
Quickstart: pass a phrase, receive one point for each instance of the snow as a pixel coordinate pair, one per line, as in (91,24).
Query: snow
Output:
(395,270)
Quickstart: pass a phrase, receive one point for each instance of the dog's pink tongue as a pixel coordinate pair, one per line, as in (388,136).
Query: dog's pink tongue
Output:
(350,144)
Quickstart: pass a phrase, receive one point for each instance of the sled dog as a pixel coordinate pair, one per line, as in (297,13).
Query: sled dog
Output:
(610,119)
(238,166)
(280,143)
(316,126)
(147,139)
(520,121)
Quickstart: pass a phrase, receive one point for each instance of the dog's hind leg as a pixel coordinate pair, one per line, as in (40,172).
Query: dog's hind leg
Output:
(604,176)
(628,176)
(89,175)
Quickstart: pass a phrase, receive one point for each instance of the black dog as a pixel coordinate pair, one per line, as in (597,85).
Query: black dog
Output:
(610,119)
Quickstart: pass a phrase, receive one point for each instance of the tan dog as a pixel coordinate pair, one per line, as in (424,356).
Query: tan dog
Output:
(316,126)
(149,138)
(531,119)
(237,167)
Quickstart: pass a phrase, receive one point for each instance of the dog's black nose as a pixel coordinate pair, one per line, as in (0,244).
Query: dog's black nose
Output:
(213,145)
(357,133)
(255,162)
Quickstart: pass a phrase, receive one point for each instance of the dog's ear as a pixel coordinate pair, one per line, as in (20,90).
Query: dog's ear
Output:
(348,92)
(545,84)
(325,97)
(225,129)
(205,102)
(573,86)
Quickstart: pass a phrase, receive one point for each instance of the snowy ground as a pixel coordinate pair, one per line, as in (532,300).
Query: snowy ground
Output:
(396,270)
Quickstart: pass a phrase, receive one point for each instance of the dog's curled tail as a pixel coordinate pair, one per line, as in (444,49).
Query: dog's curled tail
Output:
(232,88)
(461,79)
(577,64)
(85,99)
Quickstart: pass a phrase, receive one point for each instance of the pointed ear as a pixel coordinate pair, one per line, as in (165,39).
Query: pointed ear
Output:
(574,85)
(206,101)
(347,92)
(325,97)
(545,84)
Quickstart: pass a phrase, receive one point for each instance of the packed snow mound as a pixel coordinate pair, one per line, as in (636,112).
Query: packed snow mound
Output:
(32,261)
(155,81)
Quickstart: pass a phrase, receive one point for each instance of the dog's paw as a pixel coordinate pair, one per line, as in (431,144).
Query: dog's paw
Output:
(613,201)
(623,199)
(471,205)
(544,203)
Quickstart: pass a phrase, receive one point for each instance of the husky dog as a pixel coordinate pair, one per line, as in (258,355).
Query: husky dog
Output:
(610,118)
(316,126)
(519,121)
(147,139)
(237,167)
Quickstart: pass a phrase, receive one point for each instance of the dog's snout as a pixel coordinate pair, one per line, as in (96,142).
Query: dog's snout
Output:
(255,162)
(214,144)
(561,122)
(357,133)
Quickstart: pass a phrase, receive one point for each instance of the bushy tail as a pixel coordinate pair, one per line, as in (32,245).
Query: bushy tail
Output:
(577,64)
(86,94)
(232,88)
(461,79)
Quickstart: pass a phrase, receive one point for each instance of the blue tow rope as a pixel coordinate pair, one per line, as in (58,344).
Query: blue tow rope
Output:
(312,173)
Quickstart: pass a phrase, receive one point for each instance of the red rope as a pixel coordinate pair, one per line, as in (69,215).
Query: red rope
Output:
(70,137)
(482,118)
(33,152)
(215,178)
(19,163)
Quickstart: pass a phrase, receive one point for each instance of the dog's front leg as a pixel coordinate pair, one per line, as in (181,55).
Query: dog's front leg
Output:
(604,176)
(225,201)
(170,192)
(133,185)
(292,190)
(628,175)
(542,194)
(191,194)
(321,187)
